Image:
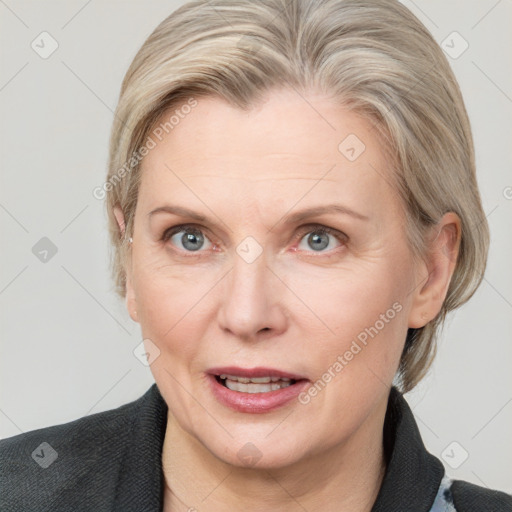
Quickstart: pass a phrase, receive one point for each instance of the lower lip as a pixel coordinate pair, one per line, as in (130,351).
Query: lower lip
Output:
(255,402)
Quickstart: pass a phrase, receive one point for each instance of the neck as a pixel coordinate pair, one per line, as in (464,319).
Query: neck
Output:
(346,477)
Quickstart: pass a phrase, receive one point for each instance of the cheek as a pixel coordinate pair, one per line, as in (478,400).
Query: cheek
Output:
(359,312)
(172,306)
(348,299)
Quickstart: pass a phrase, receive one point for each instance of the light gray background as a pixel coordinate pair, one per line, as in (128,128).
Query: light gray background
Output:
(66,339)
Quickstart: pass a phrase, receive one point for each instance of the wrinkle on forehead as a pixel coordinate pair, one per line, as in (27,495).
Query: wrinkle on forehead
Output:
(275,156)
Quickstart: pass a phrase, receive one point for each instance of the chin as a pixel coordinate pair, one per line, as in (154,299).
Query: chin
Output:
(261,456)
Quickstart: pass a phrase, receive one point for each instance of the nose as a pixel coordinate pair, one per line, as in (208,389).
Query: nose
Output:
(252,306)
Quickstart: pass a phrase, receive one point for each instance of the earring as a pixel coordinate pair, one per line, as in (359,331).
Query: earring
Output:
(130,240)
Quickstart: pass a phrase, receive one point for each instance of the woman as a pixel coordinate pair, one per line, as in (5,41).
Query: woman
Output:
(293,210)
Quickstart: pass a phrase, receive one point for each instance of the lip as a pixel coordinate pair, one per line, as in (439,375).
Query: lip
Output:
(255,403)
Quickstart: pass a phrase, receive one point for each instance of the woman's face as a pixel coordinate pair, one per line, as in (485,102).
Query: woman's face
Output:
(253,291)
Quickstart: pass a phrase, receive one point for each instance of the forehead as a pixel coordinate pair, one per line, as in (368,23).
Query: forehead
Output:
(290,141)
(310,126)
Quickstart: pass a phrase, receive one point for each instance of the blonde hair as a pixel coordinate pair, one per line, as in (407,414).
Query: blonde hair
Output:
(374,56)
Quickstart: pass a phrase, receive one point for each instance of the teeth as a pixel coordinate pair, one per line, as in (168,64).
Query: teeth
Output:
(254,387)
(259,380)
(255,384)
(255,380)
(239,379)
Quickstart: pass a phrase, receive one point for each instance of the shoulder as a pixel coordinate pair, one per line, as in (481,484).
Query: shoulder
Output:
(468,497)
(89,428)
(60,456)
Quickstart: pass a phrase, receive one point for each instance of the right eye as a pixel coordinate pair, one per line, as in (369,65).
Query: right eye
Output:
(189,237)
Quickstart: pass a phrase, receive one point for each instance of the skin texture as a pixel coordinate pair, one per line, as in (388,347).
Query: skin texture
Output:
(295,308)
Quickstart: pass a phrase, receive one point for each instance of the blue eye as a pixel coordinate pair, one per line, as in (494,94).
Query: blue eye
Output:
(318,237)
(192,239)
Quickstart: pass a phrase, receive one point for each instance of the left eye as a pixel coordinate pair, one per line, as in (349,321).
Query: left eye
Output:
(318,238)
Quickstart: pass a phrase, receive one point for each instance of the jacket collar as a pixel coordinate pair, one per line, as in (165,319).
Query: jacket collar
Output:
(411,480)
(413,475)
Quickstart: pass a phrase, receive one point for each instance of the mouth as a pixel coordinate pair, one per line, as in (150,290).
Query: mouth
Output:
(255,390)
(254,384)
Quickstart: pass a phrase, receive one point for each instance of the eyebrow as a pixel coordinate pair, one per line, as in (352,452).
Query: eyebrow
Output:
(323,210)
(288,219)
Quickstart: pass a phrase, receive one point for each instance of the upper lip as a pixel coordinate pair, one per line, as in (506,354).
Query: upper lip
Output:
(259,371)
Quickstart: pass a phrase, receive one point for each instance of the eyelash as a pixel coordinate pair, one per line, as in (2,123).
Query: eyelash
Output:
(303,230)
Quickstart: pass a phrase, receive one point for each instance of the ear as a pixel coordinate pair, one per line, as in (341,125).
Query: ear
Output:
(118,214)
(436,271)
(130,300)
